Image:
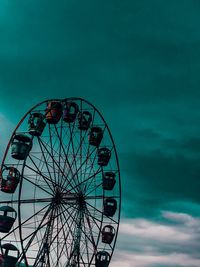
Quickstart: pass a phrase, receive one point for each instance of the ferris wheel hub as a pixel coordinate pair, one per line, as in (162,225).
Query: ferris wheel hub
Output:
(65,198)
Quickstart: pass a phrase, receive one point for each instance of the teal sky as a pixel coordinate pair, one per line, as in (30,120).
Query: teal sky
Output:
(138,62)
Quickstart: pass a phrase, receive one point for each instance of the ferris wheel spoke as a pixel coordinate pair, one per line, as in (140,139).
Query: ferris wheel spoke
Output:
(80,167)
(72,233)
(71,255)
(81,146)
(40,226)
(90,231)
(64,234)
(55,163)
(91,169)
(37,185)
(88,216)
(53,228)
(51,236)
(91,234)
(35,200)
(91,177)
(75,156)
(13,201)
(32,236)
(41,144)
(86,244)
(66,155)
(82,260)
(70,216)
(86,247)
(78,224)
(37,171)
(94,197)
(72,135)
(45,146)
(52,152)
(73,151)
(23,223)
(33,156)
(59,160)
(43,251)
(60,153)
(57,236)
(98,197)
(95,220)
(58,231)
(94,188)
(64,243)
(26,201)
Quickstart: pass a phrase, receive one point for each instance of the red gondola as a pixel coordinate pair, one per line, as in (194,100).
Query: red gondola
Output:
(53,112)
(10,178)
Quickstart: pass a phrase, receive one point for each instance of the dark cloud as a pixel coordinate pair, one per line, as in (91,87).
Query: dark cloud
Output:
(162,171)
(170,174)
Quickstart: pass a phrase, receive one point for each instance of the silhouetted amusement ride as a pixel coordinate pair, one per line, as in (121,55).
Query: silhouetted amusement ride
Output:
(60,188)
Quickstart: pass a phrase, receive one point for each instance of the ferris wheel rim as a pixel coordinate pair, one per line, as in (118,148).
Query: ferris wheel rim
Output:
(114,147)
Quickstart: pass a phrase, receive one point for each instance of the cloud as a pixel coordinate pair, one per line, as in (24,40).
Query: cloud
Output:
(162,170)
(145,229)
(149,260)
(183,218)
(146,243)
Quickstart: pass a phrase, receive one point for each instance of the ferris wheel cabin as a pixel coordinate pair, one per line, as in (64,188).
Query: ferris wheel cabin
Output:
(7,218)
(36,124)
(21,146)
(84,120)
(9,179)
(70,112)
(104,155)
(108,234)
(102,259)
(95,136)
(53,112)
(109,180)
(9,255)
(110,207)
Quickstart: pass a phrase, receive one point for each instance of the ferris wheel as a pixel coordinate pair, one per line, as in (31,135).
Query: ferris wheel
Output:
(60,188)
